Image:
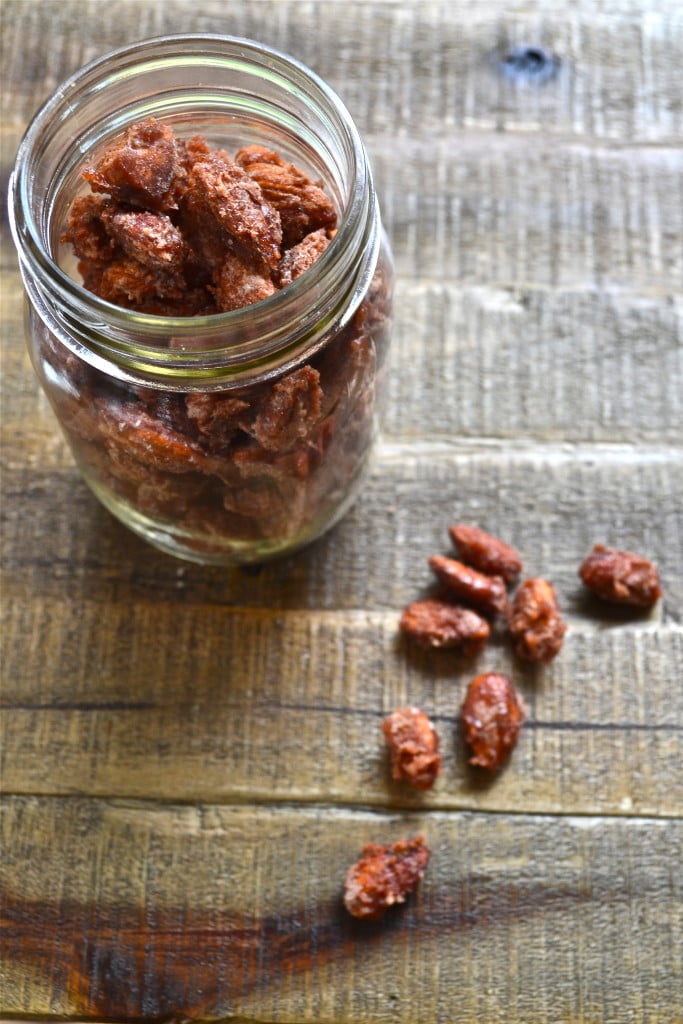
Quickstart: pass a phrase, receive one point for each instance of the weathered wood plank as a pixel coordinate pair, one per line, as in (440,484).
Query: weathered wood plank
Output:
(493,209)
(185,702)
(133,910)
(552,503)
(405,68)
(545,365)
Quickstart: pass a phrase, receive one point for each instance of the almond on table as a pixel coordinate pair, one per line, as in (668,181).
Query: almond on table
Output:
(622,577)
(486,593)
(433,623)
(485,552)
(414,747)
(384,876)
(492,715)
(535,621)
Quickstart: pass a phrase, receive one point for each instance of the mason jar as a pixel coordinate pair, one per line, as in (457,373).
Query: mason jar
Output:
(219,437)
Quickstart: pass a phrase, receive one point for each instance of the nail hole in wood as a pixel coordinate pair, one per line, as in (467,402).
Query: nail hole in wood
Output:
(530,63)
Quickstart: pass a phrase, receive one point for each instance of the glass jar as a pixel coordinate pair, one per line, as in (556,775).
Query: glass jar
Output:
(223,437)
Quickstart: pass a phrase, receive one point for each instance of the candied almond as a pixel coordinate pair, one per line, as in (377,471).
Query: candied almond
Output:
(622,577)
(219,193)
(348,372)
(126,282)
(486,593)
(374,313)
(150,238)
(167,494)
(78,417)
(274,506)
(414,747)
(535,621)
(492,715)
(237,284)
(302,205)
(384,876)
(85,230)
(433,623)
(302,256)
(141,168)
(248,156)
(290,410)
(130,432)
(217,417)
(192,150)
(485,552)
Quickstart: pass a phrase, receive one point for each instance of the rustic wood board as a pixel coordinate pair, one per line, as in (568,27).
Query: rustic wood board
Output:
(161,911)
(190,757)
(258,713)
(552,502)
(567,365)
(405,68)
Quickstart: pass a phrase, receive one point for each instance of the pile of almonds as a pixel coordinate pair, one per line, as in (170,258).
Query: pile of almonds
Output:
(474,590)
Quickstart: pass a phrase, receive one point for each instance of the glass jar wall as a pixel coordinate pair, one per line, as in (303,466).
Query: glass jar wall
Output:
(225,436)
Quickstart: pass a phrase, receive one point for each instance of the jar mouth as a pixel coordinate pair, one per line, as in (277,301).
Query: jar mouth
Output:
(234,86)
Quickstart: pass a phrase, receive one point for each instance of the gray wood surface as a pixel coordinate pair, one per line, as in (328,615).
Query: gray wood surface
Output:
(191,757)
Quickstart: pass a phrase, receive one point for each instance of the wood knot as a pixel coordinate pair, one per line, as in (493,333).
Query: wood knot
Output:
(530,64)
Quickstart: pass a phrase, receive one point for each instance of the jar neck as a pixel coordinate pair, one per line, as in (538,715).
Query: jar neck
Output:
(231,90)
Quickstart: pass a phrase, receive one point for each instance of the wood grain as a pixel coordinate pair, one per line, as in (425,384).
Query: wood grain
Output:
(553,503)
(561,366)
(504,362)
(233,706)
(258,889)
(404,69)
(493,209)
(191,757)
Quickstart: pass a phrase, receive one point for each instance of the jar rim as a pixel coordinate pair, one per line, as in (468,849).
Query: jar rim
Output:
(269,320)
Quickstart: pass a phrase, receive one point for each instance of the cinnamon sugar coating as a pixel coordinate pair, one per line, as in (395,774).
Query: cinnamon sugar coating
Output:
(485,552)
(302,204)
(433,623)
(535,621)
(621,577)
(384,876)
(486,593)
(492,715)
(414,747)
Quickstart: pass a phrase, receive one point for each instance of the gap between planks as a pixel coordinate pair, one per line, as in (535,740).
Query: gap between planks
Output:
(314,808)
(530,449)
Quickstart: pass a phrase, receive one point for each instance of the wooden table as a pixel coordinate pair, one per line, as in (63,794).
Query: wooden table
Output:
(192,756)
